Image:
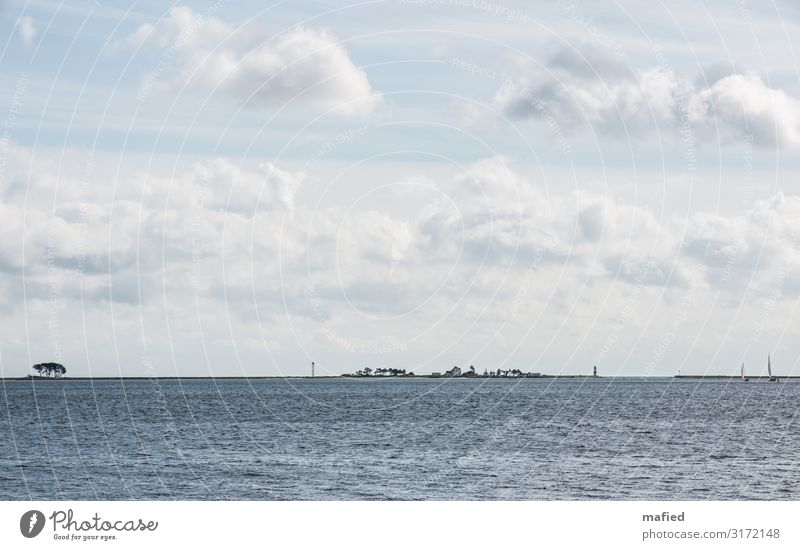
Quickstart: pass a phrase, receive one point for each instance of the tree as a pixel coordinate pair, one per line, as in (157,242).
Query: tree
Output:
(49,370)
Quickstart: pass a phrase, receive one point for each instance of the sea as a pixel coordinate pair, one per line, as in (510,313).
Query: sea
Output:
(400,439)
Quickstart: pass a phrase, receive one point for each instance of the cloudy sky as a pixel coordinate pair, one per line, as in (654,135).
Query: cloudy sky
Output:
(239,188)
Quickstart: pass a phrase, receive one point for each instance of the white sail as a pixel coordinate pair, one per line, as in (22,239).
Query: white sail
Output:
(742,371)
(769,366)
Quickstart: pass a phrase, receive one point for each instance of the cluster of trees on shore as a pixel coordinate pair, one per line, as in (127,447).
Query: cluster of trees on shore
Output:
(456,372)
(366,371)
(50,370)
(513,373)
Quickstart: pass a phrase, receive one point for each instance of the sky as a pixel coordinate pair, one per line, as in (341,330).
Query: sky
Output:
(241,188)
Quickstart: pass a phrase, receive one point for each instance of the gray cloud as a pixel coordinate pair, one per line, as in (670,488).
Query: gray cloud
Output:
(586,88)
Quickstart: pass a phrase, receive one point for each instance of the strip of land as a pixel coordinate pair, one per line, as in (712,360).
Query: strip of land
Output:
(366,378)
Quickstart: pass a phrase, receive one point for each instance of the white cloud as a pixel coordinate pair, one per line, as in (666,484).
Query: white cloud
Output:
(27,29)
(752,249)
(225,186)
(232,246)
(301,65)
(490,218)
(748,106)
(600,94)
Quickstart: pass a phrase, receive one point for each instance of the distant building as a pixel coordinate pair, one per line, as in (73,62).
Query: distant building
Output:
(453,373)
(436,374)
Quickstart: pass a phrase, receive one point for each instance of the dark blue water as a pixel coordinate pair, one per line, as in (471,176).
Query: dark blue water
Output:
(399,439)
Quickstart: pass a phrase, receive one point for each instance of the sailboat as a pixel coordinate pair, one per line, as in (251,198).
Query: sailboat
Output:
(769,370)
(744,379)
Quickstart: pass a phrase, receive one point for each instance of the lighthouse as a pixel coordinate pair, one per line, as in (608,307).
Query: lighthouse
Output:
(595,371)
(312,369)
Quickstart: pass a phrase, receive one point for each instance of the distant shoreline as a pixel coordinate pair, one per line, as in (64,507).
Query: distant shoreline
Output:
(725,377)
(301,377)
(369,378)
